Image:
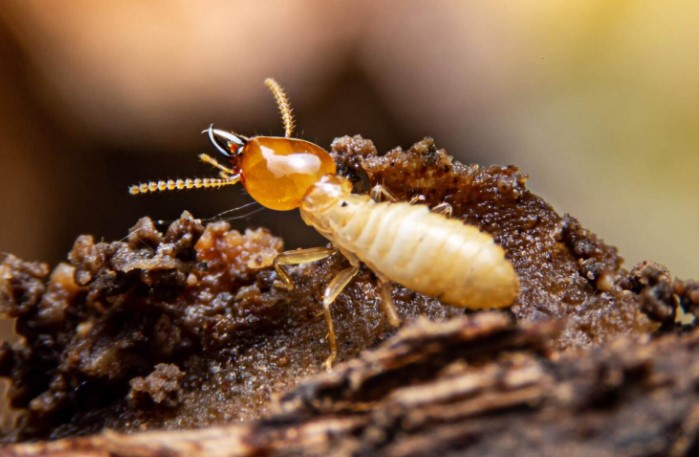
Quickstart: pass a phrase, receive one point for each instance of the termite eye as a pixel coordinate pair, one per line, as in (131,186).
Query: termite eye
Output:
(278,172)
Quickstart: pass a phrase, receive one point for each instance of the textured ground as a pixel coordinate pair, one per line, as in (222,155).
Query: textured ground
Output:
(188,328)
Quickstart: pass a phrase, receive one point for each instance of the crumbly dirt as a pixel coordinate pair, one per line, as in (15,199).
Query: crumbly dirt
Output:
(474,385)
(192,327)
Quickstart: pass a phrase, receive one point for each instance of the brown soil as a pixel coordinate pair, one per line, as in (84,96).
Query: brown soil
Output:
(190,327)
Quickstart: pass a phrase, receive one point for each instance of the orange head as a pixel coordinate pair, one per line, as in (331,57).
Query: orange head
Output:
(276,171)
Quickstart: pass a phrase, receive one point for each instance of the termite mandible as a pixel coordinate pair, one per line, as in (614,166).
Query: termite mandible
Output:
(421,249)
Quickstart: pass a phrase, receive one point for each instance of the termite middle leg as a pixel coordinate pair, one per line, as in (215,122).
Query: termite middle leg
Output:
(337,285)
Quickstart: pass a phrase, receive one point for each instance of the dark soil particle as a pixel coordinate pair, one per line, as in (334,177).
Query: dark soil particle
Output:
(191,327)
(162,386)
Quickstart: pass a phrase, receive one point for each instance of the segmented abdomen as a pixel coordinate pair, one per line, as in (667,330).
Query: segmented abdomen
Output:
(424,251)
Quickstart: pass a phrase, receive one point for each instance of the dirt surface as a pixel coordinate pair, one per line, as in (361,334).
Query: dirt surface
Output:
(190,327)
(471,386)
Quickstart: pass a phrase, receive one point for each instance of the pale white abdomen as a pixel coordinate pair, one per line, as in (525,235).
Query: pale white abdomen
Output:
(421,250)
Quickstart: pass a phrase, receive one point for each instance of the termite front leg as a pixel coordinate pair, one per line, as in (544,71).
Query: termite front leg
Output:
(337,285)
(298,257)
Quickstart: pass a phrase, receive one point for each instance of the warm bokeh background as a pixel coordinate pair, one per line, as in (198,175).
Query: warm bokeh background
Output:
(598,101)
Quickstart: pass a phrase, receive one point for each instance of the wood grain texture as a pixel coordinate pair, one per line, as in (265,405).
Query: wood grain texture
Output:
(470,386)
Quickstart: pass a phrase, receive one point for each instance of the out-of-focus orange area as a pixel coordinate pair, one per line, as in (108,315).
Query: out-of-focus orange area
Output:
(598,101)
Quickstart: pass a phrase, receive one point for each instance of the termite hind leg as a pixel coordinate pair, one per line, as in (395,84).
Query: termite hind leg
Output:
(337,285)
(444,208)
(298,257)
(379,193)
(387,305)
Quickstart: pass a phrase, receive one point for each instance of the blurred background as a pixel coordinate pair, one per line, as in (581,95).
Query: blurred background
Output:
(597,101)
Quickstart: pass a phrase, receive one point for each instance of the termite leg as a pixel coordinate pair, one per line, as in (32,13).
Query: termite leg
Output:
(387,305)
(337,285)
(298,257)
(419,198)
(380,193)
(444,208)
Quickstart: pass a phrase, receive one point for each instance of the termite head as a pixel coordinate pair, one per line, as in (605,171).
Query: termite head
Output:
(276,171)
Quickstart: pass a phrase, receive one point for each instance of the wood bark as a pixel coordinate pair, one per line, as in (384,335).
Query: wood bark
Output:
(478,385)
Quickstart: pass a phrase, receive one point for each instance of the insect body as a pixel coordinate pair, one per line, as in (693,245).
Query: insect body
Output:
(413,246)
(401,242)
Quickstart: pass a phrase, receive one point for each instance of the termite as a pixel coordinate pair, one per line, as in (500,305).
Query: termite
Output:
(409,244)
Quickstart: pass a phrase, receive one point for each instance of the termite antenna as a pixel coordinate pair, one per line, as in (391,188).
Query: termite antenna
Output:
(182,184)
(217,135)
(284,106)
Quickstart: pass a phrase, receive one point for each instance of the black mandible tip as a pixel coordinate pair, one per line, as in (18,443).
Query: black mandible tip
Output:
(222,140)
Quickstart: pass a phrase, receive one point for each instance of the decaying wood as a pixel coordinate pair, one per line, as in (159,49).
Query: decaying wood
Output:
(186,331)
(187,326)
(479,385)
